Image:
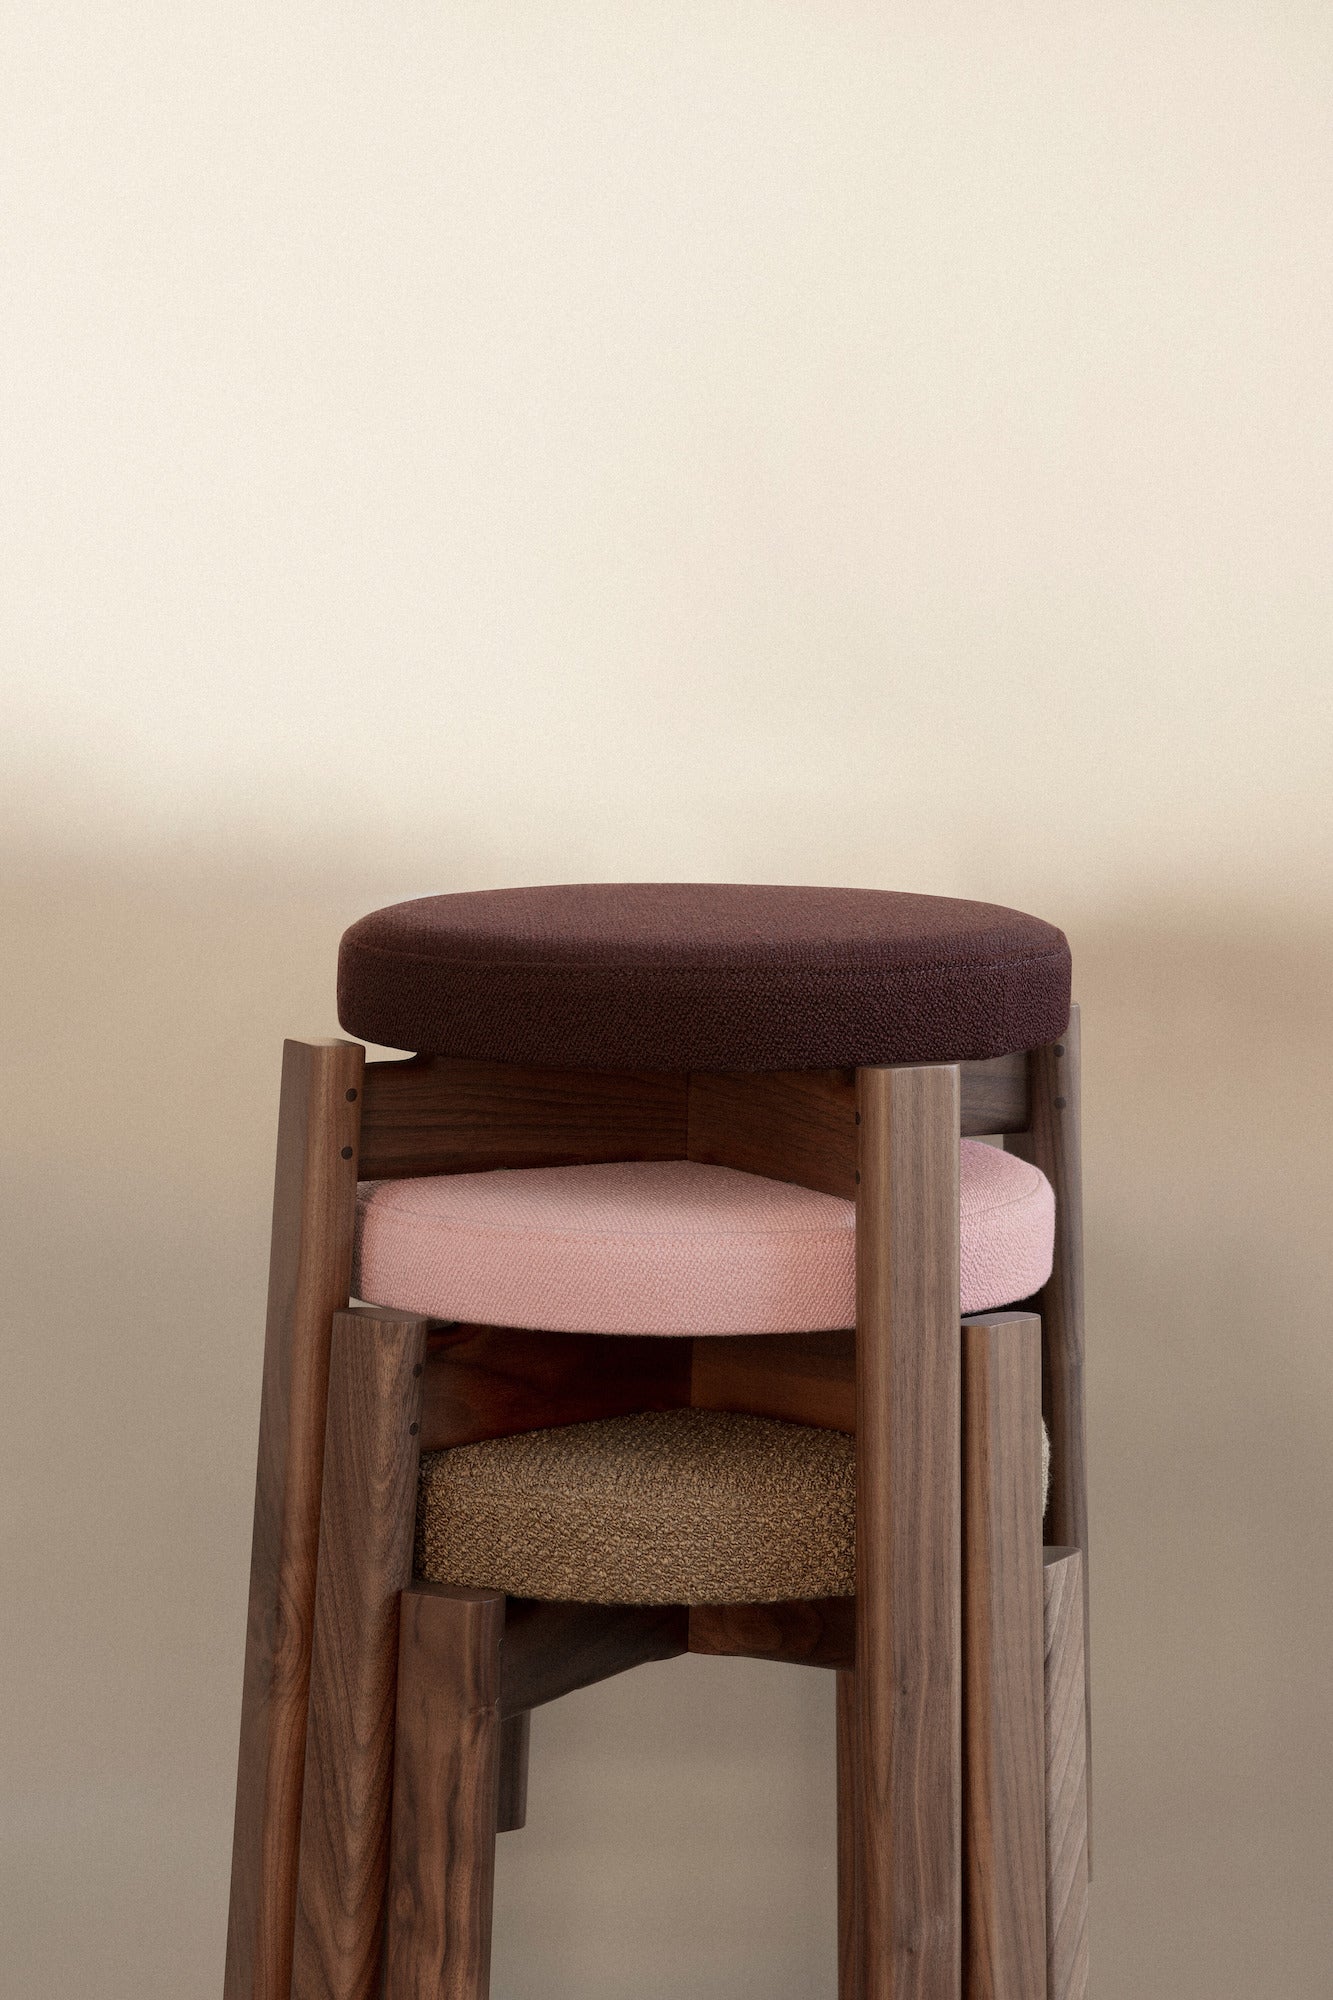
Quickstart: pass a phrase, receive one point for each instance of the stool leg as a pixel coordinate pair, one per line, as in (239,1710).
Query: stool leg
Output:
(367,1523)
(1066,1780)
(310,1270)
(1004,1730)
(511,1811)
(1055,1145)
(445,1794)
(908,1509)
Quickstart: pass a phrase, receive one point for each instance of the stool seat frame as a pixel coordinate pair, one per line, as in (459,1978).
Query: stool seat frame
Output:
(384,1725)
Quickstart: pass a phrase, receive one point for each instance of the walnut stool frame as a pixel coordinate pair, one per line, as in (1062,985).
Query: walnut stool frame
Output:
(384,1723)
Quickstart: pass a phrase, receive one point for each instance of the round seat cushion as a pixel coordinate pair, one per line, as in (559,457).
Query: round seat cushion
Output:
(681,976)
(666,1507)
(674,1507)
(668,1246)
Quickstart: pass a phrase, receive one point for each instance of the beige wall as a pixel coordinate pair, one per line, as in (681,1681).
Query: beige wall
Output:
(475,445)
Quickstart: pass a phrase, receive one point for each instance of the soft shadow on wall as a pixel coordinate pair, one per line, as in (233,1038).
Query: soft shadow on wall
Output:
(680,1831)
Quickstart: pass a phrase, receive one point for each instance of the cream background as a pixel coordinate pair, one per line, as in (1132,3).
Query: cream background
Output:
(460,446)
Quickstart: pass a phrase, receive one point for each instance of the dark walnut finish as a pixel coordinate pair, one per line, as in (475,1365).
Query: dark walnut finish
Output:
(511,1807)
(314,1210)
(471,1667)
(1066,1779)
(490,1381)
(552,1649)
(805,1378)
(994,1096)
(800,1125)
(908,1586)
(443,1115)
(1055,1145)
(806,1632)
(1004,1760)
(794,1125)
(439,1115)
(445,1795)
(365,1560)
(493,1381)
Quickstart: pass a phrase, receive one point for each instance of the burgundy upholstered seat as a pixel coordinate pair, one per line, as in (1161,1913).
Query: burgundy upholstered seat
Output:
(678,976)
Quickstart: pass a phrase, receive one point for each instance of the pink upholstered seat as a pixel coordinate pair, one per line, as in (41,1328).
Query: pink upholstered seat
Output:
(668,1247)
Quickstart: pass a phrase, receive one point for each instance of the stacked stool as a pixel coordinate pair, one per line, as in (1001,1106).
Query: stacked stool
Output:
(699,1318)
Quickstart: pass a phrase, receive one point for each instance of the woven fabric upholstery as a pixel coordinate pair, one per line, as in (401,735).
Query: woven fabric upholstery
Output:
(676,1507)
(668,1247)
(679,976)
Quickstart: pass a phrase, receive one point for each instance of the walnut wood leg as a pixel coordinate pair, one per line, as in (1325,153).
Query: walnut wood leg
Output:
(314,1212)
(908,1505)
(366,1531)
(849,1954)
(1004,1731)
(1066,1780)
(511,1812)
(1055,1145)
(445,1793)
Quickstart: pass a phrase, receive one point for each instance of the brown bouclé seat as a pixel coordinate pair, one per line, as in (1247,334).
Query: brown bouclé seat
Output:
(663,1507)
(678,976)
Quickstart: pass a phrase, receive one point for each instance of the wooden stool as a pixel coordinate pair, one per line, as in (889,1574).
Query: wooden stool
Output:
(842,1041)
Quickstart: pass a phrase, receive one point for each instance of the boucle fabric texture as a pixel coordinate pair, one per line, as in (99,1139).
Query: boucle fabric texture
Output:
(674,1507)
(668,1247)
(680,975)
(671,1507)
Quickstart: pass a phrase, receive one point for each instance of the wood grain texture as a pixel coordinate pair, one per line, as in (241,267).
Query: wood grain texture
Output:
(994,1096)
(1055,1145)
(551,1649)
(1004,1753)
(908,1587)
(492,1381)
(314,1211)
(367,1522)
(806,1378)
(849,1915)
(800,1125)
(441,1115)
(445,1795)
(807,1632)
(1066,1779)
(792,1125)
(511,1811)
